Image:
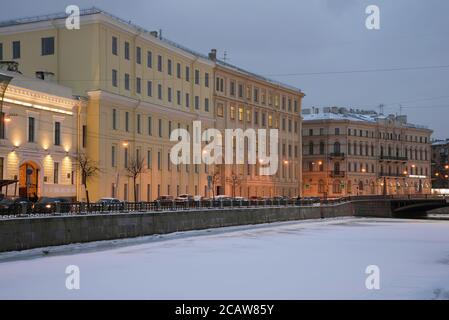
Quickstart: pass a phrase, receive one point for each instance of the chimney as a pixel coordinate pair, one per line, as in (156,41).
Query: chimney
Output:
(45,75)
(213,54)
(153,33)
(11,66)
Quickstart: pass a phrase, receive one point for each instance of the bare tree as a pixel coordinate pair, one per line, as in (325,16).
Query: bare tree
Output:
(235,180)
(134,169)
(89,169)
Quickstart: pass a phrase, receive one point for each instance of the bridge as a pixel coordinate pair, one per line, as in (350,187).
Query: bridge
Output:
(409,206)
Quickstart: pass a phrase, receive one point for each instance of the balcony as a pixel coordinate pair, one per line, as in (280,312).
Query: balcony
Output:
(338,174)
(393,158)
(337,155)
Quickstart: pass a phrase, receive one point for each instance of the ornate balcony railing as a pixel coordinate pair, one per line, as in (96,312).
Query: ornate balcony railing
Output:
(338,174)
(340,155)
(393,158)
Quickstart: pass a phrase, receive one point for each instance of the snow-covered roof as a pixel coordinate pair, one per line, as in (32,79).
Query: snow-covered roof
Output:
(440,143)
(360,116)
(95,10)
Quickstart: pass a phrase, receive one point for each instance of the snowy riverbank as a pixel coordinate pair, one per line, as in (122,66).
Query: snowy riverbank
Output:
(298,260)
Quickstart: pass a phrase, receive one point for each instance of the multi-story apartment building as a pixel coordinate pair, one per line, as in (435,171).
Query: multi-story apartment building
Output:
(245,101)
(39,138)
(440,164)
(353,152)
(139,87)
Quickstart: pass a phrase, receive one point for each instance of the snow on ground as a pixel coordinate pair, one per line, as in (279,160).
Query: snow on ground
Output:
(299,260)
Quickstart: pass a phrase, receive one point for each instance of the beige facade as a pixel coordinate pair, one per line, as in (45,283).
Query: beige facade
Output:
(39,143)
(139,88)
(352,152)
(243,101)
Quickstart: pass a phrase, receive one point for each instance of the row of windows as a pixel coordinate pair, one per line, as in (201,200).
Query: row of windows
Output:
(161,66)
(368,134)
(255,94)
(47,48)
(160,92)
(257,117)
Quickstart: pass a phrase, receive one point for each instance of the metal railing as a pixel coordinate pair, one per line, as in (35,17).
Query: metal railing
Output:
(81,208)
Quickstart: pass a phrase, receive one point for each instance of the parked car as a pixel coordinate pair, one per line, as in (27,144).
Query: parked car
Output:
(49,205)
(110,204)
(184,198)
(165,201)
(14,205)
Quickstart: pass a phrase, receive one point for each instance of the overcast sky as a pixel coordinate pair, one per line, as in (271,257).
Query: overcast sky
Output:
(289,39)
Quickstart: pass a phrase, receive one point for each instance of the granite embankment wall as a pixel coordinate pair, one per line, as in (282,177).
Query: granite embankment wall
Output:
(28,233)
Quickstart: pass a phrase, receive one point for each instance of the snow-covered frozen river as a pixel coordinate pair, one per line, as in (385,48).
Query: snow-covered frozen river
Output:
(300,260)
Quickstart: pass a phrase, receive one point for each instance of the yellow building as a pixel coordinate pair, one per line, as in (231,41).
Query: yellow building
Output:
(356,152)
(39,138)
(244,100)
(139,87)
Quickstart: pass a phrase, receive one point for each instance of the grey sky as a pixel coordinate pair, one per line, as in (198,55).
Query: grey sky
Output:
(275,38)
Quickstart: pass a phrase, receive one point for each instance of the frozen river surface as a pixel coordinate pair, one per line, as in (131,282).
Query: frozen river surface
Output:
(301,260)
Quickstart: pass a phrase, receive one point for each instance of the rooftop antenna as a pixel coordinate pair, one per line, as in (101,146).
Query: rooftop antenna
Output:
(381,108)
(400,109)
(225,56)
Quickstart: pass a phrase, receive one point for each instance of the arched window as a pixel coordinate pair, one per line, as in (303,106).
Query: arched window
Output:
(349,187)
(321,186)
(337,147)
(360,185)
(336,186)
(337,167)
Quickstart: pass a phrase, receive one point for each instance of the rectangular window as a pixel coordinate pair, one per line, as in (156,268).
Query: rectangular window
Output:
(138,85)
(206,80)
(56,172)
(113,163)
(169,67)
(197,76)
(127,121)
(159,161)
(232,112)
(114,78)
(16,49)
(149,88)
(149,59)
(150,126)
(57,133)
(114,46)
(125,157)
(169,95)
(240,113)
(240,91)
(126,50)
(114,119)
(159,91)
(256,117)
(84,136)
(2,125)
(159,63)
(31,129)
(206,104)
(126,81)
(178,70)
(149,160)
(160,128)
(197,102)
(232,88)
(138,55)
(187,73)
(48,46)
(220,109)
(138,124)
(178,97)
(187,100)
